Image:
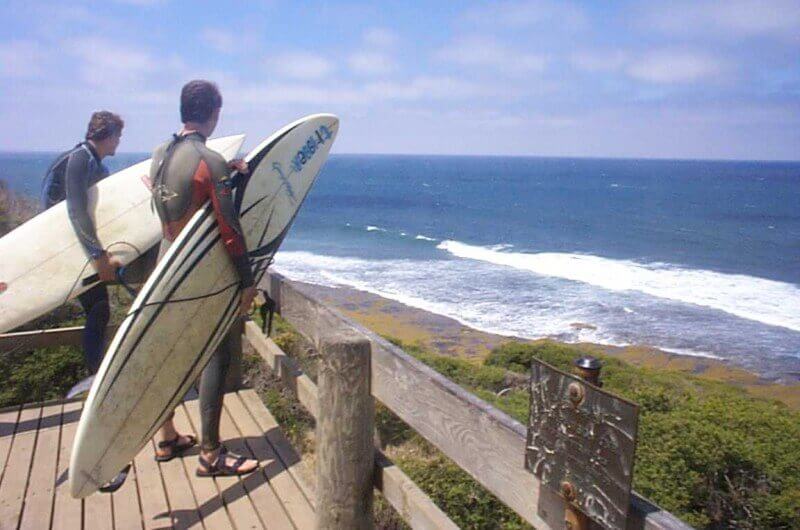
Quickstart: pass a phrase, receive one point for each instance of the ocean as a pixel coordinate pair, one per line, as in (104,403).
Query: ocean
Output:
(695,257)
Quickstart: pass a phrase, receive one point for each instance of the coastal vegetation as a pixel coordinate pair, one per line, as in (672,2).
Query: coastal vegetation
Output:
(707,452)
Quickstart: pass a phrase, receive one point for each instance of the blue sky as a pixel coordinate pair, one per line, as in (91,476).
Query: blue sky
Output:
(679,79)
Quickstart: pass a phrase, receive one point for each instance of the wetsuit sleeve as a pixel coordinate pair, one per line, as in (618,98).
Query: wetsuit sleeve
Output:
(76,182)
(220,193)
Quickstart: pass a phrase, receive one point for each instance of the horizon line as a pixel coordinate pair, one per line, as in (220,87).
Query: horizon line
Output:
(483,155)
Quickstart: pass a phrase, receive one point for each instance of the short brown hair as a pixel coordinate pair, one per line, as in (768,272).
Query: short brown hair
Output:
(104,124)
(199,98)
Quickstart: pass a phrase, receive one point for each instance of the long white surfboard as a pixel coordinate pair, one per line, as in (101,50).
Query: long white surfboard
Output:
(188,304)
(43,264)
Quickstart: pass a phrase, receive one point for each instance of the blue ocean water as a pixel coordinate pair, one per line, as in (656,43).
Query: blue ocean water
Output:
(696,257)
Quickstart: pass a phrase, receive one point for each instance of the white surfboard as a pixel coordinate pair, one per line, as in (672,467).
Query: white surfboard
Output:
(188,304)
(43,264)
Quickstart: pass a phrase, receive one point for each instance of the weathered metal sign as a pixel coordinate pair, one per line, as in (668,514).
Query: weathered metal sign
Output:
(581,443)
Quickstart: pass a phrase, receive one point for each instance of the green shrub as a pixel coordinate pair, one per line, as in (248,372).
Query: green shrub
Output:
(465,501)
(707,452)
(40,375)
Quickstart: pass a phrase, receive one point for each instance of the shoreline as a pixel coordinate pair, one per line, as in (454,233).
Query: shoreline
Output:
(446,336)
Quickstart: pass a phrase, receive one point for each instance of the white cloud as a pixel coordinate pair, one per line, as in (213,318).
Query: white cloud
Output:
(300,65)
(375,57)
(422,88)
(21,59)
(380,37)
(731,18)
(105,62)
(371,63)
(561,15)
(141,3)
(599,60)
(487,53)
(674,67)
(219,40)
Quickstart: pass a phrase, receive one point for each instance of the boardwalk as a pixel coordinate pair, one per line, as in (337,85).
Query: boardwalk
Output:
(35,445)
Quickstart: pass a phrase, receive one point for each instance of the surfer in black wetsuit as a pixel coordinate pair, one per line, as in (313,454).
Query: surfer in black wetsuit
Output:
(184,175)
(70,177)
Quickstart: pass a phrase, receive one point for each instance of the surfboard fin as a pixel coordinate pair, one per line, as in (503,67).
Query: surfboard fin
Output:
(117,482)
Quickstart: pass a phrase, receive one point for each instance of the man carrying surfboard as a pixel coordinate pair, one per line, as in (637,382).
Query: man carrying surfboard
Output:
(184,175)
(69,178)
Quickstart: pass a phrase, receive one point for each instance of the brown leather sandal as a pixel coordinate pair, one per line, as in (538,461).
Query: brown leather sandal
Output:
(175,448)
(220,467)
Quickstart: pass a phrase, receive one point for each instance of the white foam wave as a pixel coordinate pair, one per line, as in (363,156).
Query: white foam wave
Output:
(767,301)
(424,238)
(371,228)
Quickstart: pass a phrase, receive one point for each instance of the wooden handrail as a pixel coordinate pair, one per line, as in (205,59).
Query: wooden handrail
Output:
(482,440)
(413,505)
(45,338)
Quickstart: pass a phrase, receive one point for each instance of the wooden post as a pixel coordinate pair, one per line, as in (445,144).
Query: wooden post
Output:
(345,454)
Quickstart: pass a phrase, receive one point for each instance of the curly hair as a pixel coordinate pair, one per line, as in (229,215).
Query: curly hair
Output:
(103,124)
(199,98)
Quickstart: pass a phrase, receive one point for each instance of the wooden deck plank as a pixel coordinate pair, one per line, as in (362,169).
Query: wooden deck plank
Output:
(8,424)
(155,510)
(67,512)
(291,496)
(127,513)
(38,442)
(39,495)
(209,502)
(179,492)
(97,512)
(15,478)
(238,503)
(282,447)
(262,494)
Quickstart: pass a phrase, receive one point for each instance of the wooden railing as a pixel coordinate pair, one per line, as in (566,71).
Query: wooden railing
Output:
(482,440)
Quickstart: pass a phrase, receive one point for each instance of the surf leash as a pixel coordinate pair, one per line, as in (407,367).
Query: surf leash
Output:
(267,310)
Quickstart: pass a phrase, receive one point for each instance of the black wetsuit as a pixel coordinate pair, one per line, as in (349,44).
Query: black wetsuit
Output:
(185,174)
(70,177)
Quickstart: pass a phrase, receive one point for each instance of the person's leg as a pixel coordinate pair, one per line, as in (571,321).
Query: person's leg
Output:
(95,305)
(212,391)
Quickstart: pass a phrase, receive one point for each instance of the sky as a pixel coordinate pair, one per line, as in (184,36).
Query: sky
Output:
(676,79)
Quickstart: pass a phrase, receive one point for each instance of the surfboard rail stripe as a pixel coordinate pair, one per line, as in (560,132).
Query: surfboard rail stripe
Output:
(205,355)
(147,299)
(180,391)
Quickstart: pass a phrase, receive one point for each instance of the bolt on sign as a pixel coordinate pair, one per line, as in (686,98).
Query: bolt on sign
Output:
(581,443)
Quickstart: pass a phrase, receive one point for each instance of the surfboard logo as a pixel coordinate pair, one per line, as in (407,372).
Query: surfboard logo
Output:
(304,154)
(3,287)
(276,166)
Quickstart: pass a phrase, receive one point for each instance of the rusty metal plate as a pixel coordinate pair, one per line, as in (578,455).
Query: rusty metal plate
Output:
(580,434)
